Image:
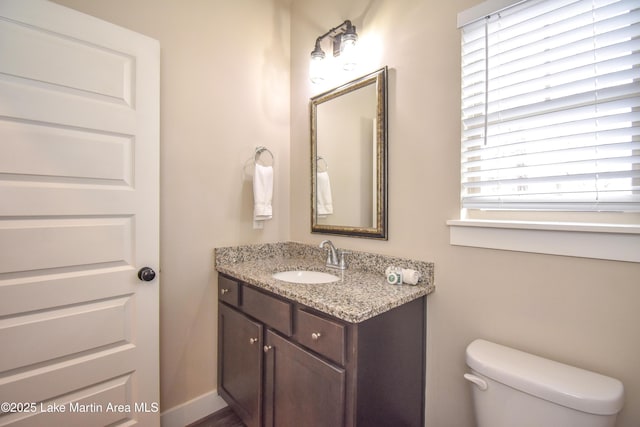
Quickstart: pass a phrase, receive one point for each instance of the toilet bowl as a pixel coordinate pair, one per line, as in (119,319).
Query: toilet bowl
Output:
(514,388)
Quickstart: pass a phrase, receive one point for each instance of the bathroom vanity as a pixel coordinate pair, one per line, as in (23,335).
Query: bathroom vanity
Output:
(347,353)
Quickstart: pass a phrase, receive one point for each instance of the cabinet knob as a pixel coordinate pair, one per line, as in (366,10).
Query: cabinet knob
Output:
(266,348)
(315,336)
(253,340)
(224,291)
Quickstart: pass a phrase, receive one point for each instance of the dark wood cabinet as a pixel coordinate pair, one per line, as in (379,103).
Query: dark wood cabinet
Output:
(300,388)
(283,364)
(240,364)
(229,291)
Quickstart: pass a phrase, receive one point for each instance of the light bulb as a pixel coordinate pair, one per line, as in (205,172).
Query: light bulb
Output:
(316,66)
(348,51)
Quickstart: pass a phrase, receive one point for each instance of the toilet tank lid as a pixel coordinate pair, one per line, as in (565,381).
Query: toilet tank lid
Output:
(565,385)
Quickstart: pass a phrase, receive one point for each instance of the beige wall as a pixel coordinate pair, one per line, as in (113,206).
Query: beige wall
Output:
(579,311)
(225,89)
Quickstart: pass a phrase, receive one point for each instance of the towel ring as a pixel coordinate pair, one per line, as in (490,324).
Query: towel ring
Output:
(260,150)
(326,166)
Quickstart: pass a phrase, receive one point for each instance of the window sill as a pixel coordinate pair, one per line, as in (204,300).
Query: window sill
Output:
(600,241)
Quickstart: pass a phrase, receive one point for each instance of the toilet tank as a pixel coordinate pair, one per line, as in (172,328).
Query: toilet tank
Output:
(514,388)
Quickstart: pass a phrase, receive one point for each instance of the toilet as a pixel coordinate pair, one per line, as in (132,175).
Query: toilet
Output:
(513,388)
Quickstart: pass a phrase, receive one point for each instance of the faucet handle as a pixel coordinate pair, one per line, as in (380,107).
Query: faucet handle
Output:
(342,263)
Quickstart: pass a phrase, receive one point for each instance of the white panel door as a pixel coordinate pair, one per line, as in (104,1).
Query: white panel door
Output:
(79,164)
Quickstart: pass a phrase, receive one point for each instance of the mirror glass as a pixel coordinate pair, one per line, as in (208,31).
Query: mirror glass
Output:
(349,158)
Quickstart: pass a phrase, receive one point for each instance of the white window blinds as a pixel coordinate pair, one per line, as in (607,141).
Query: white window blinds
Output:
(551,107)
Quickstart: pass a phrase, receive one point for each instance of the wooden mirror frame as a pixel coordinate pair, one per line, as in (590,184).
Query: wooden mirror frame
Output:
(379,228)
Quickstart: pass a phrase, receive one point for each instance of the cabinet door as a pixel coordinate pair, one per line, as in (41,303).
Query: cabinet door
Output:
(240,364)
(300,388)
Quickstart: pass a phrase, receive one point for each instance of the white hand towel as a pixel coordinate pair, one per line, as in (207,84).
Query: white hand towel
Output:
(323,193)
(262,193)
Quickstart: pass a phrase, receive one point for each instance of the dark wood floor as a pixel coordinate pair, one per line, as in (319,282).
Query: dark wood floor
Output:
(223,418)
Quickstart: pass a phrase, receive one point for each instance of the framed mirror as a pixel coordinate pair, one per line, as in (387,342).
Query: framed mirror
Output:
(349,158)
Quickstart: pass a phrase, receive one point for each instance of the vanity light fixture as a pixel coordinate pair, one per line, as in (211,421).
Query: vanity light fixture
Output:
(344,38)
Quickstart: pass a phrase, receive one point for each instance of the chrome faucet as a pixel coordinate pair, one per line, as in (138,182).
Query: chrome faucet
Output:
(335,257)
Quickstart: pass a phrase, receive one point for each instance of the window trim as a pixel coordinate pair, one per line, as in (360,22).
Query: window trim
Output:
(617,242)
(483,9)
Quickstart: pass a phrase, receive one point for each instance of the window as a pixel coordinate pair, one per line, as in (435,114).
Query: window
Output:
(550,159)
(551,107)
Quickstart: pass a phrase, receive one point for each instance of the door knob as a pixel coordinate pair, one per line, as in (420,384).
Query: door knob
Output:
(146,274)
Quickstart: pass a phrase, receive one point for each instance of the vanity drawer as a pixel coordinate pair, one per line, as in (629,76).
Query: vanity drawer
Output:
(270,310)
(321,335)
(228,291)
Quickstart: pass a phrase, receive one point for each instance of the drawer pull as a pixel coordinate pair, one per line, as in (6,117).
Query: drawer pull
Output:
(266,348)
(315,336)
(224,291)
(253,340)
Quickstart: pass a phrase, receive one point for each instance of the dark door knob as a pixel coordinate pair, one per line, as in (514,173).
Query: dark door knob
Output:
(146,274)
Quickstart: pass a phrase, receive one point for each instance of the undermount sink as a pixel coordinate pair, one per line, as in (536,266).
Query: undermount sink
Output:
(305,276)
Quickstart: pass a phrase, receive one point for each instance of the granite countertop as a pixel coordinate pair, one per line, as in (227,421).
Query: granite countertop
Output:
(361,293)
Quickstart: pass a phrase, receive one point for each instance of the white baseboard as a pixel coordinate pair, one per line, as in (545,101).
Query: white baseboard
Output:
(193,410)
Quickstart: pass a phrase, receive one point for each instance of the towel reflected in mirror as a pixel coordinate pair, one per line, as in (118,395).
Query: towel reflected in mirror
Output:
(325,201)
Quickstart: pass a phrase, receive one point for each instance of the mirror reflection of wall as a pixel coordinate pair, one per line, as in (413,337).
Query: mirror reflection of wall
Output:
(347,146)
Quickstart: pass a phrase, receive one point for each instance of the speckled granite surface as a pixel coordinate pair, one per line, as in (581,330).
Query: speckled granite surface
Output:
(361,293)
